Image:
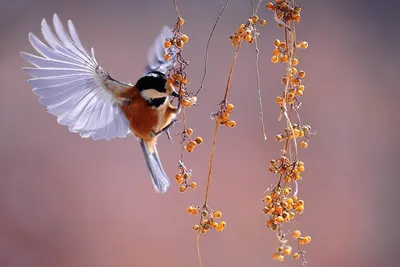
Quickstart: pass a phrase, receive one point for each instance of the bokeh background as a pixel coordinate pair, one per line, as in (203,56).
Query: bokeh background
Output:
(67,201)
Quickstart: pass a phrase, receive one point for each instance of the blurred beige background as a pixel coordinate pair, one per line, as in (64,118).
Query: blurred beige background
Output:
(67,201)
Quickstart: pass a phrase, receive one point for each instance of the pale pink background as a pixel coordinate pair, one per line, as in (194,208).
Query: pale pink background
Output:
(67,201)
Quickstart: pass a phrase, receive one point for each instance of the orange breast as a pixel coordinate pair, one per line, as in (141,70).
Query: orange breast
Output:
(143,119)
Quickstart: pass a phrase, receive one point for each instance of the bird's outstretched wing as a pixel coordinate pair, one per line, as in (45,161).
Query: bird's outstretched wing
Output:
(155,55)
(73,87)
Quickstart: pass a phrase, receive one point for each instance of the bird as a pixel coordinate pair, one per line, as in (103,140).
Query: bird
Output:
(83,96)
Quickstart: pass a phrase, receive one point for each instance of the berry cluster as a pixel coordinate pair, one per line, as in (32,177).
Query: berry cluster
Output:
(178,41)
(222,117)
(208,220)
(284,12)
(183,178)
(298,132)
(191,143)
(282,204)
(247,31)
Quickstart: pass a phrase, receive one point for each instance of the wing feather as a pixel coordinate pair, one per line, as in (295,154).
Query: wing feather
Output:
(71,84)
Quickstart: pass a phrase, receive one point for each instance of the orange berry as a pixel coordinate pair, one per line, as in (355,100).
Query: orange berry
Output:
(185,38)
(190,209)
(254,18)
(192,143)
(219,228)
(193,185)
(167,56)
(223,223)
(189,148)
(277,42)
(299,93)
(284,59)
(275,59)
(167,44)
(301,87)
(296,256)
(263,22)
(282,45)
(203,231)
(300,209)
(186,103)
(198,140)
(230,107)
(287,251)
(279,99)
(295,61)
(303,144)
(195,211)
(231,124)
(217,214)
(303,45)
(279,137)
(296,234)
(182,189)
(302,74)
(189,131)
(196,227)
(181,21)
(276,52)
(270,6)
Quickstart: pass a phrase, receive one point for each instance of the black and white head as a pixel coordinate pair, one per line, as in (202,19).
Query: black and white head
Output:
(154,88)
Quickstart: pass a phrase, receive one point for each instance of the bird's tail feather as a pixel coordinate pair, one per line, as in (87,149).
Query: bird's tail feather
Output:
(158,176)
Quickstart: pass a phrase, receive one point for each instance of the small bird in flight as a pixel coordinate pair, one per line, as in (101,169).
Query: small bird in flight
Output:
(84,97)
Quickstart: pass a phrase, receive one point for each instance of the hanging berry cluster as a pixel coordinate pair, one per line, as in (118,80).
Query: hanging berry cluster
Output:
(178,78)
(282,204)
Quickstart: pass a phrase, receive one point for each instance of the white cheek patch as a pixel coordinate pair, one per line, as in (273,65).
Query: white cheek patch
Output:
(152,93)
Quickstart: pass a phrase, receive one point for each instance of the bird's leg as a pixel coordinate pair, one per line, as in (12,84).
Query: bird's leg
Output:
(165,129)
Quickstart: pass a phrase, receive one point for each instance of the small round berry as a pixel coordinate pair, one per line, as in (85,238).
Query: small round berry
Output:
(268,199)
(182,189)
(254,18)
(223,223)
(299,93)
(198,140)
(301,87)
(302,74)
(179,43)
(181,21)
(282,45)
(279,99)
(277,42)
(185,175)
(190,209)
(263,22)
(195,211)
(217,214)
(287,251)
(193,100)
(296,256)
(186,103)
(189,131)
(275,59)
(303,144)
(230,107)
(203,231)
(295,61)
(231,124)
(167,56)
(303,45)
(185,38)
(193,185)
(220,228)
(296,234)
(276,52)
(270,6)
(196,227)
(284,59)
(167,44)
(279,137)
(189,148)
(300,209)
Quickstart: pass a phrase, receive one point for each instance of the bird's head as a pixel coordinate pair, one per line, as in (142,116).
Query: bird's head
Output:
(154,86)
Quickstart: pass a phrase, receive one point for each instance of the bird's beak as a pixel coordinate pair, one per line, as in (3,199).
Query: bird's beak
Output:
(175,94)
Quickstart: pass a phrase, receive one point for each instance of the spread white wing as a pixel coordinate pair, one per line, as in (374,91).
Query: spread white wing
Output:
(72,86)
(155,55)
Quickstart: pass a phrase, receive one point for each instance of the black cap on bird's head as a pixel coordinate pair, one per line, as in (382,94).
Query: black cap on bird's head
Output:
(154,86)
